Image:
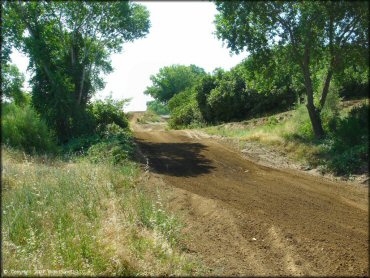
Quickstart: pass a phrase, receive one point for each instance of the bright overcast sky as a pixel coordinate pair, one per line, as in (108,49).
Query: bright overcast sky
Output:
(180,33)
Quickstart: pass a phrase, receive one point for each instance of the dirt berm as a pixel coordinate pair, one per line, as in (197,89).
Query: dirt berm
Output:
(247,219)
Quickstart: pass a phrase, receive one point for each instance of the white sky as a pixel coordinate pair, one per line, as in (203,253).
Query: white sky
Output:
(180,33)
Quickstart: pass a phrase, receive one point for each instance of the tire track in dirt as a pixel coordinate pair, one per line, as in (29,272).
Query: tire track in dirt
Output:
(247,219)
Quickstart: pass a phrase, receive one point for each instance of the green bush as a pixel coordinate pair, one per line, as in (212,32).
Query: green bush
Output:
(226,96)
(184,110)
(229,100)
(115,146)
(348,151)
(353,81)
(350,161)
(157,107)
(23,128)
(354,128)
(107,112)
(81,144)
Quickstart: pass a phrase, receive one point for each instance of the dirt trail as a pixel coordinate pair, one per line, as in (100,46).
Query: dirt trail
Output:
(247,219)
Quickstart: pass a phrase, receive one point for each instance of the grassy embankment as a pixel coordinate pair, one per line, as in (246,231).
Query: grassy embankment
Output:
(79,215)
(344,151)
(149,117)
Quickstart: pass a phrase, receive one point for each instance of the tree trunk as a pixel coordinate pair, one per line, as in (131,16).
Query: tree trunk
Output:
(325,90)
(313,112)
(315,118)
(81,86)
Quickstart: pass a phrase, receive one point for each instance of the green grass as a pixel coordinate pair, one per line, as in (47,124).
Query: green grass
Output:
(75,217)
(22,128)
(344,151)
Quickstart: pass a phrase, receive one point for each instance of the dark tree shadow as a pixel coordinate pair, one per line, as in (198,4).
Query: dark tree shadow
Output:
(176,159)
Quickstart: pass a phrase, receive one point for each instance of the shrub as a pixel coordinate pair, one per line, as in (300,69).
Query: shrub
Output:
(115,146)
(349,150)
(184,110)
(180,99)
(358,121)
(23,128)
(81,143)
(228,101)
(157,107)
(108,111)
(350,161)
(183,116)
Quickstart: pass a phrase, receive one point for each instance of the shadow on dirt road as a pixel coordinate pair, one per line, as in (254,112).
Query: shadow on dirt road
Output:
(176,159)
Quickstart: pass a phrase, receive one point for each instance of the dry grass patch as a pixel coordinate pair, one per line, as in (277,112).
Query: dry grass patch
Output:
(78,218)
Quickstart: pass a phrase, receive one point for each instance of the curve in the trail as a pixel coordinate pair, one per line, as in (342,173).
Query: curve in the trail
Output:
(248,219)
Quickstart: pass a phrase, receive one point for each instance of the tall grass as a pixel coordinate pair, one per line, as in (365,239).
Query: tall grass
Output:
(82,218)
(23,128)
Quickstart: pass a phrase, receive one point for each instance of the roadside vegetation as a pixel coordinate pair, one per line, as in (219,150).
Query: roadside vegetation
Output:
(82,208)
(310,65)
(343,152)
(149,117)
(76,216)
(74,202)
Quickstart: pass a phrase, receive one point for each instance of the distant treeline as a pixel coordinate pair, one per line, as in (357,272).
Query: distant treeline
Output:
(257,86)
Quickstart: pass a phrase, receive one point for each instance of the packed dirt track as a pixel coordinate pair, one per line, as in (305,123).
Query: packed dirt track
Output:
(246,219)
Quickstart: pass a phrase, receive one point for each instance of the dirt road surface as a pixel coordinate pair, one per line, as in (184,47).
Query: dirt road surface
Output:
(247,219)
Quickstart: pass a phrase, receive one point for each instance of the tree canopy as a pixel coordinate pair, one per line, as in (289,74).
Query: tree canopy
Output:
(12,83)
(69,44)
(318,37)
(172,80)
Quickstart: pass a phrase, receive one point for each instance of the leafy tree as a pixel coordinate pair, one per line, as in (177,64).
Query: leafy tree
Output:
(319,36)
(157,107)
(108,111)
(203,90)
(172,80)
(69,44)
(229,99)
(11,84)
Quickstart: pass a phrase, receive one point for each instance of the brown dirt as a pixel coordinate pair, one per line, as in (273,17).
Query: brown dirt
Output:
(243,218)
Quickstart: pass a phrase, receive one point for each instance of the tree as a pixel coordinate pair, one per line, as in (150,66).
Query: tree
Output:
(172,80)
(157,107)
(69,44)
(11,84)
(319,35)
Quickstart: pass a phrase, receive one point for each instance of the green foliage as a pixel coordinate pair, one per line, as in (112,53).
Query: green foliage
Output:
(184,110)
(349,148)
(155,217)
(353,82)
(228,100)
(108,111)
(11,84)
(115,146)
(80,144)
(330,114)
(23,128)
(318,38)
(69,44)
(180,99)
(172,80)
(157,107)
(225,96)
(84,219)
